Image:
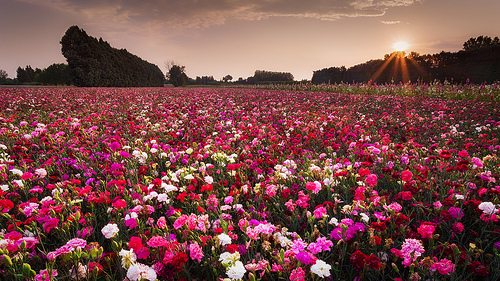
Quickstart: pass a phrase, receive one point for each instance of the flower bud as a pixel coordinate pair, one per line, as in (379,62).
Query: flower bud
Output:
(7,261)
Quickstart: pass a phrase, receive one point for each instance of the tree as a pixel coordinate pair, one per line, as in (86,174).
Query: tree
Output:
(479,42)
(3,74)
(55,74)
(27,75)
(177,76)
(94,63)
(227,78)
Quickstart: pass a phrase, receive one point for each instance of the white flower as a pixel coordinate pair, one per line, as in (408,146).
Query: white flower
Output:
(227,257)
(162,197)
(128,257)
(209,179)
(110,230)
(236,271)
(17,172)
(41,173)
(487,208)
(334,221)
(364,217)
(141,271)
(224,239)
(321,268)
(20,183)
(4,187)
(168,187)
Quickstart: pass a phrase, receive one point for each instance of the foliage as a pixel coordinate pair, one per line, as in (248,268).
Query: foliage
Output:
(94,63)
(177,75)
(55,74)
(271,76)
(249,184)
(27,75)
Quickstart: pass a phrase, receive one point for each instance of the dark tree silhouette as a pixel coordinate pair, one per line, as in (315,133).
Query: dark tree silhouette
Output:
(93,62)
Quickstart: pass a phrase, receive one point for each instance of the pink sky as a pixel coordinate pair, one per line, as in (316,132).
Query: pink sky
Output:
(220,37)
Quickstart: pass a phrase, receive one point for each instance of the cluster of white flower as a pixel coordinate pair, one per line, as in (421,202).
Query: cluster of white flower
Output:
(140,155)
(235,269)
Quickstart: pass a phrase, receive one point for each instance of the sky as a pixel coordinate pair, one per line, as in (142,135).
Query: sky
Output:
(236,37)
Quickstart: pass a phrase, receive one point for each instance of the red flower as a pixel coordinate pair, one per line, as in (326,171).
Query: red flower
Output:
(364,172)
(406,175)
(358,259)
(406,195)
(135,243)
(373,262)
(179,260)
(232,248)
(445,154)
(478,268)
(6,205)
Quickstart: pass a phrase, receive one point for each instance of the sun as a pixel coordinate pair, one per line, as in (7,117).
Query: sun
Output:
(400,46)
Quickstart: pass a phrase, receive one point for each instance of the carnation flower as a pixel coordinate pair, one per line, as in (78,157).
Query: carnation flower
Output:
(443,266)
(298,274)
(321,268)
(406,175)
(236,271)
(224,239)
(139,271)
(426,230)
(110,230)
(411,250)
(487,208)
(228,257)
(128,257)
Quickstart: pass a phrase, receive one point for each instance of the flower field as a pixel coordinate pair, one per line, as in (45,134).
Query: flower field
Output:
(252,184)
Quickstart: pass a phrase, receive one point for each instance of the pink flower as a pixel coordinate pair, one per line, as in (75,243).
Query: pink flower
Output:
(371,180)
(297,274)
(411,250)
(192,221)
(157,241)
(315,187)
(180,221)
(44,275)
(195,251)
(426,230)
(162,222)
(463,153)
(456,212)
(26,176)
(406,176)
(49,224)
(131,223)
(319,212)
(457,227)
(443,266)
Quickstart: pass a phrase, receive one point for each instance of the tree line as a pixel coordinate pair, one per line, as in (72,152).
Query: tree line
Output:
(478,62)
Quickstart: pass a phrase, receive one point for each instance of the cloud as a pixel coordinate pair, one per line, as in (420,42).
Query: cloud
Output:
(203,13)
(391,22)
